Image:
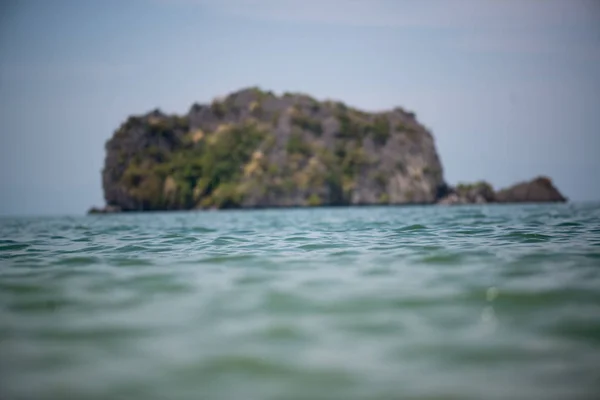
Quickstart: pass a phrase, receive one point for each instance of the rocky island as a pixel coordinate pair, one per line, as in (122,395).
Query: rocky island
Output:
(256,149)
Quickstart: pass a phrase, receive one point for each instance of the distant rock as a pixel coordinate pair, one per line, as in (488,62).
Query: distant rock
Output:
(104,210)
(538,190)
(477,193)
(253,148)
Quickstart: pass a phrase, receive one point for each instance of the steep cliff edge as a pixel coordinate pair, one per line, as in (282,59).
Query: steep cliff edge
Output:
(255,149)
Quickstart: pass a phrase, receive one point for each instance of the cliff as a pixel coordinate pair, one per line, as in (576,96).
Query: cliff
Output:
(255,149)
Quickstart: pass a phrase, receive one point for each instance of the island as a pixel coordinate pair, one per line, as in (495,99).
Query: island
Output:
(254,149)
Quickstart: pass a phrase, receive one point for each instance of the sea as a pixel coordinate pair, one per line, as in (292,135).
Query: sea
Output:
(412,302)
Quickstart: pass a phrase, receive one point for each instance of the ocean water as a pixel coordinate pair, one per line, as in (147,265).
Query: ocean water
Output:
(466,302)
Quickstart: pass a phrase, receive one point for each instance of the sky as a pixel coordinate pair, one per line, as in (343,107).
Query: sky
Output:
(510,89)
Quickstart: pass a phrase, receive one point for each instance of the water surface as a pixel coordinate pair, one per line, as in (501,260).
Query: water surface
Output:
(473,302)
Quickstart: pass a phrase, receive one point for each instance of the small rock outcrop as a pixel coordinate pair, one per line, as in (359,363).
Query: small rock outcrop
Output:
(104,210)
(538,190)
(477,193)
(255,149)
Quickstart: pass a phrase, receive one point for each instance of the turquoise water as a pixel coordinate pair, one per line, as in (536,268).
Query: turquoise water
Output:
(473,302)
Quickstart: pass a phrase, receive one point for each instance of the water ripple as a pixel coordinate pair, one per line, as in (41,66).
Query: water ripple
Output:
(494,302)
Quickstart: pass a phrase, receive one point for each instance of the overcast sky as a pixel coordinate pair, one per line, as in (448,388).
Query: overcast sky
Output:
(510,89)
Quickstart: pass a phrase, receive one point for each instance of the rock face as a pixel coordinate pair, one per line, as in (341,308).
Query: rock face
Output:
(256,149)
(538,190)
